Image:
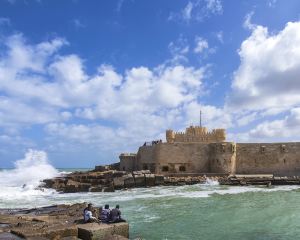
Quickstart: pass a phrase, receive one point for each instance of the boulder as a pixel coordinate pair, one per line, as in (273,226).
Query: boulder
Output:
(150,180)
(139,180)
(119,182)
(129,182)
(108,188)
(159,180)
(96,231)
(56,231)
(98,188)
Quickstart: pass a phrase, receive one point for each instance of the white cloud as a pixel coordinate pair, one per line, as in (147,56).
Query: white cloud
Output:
(214,6)
(187,11)
(268,76)
(41,86)
(197,10)
(279,130)
(220,36)
(201,45)
(248,21)
(179,49)
(78,24)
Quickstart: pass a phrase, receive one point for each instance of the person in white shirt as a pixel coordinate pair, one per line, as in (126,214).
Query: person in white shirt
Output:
(88,215)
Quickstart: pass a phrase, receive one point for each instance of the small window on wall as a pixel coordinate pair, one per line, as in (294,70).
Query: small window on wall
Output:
(223,147)
(165,168)
(123,168)
(182,169)
(262,149)
(145,166)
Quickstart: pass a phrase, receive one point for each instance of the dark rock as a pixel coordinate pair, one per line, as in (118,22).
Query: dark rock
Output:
(139,180)
(159,179)
(150,180)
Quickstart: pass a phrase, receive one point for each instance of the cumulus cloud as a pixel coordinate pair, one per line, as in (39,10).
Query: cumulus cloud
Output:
(40,86)
(268,76)
(283,129)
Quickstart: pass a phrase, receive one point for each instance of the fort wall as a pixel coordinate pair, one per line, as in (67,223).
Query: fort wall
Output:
(146,158)
(281,159)
(182,158)
(128,162)
(197,151)
(222,157)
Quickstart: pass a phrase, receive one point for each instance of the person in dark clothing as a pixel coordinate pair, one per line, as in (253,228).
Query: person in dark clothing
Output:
(105,214)
(116,215)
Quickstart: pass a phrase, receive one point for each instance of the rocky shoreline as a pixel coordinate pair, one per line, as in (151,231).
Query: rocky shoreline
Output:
(109,179)
(56,222)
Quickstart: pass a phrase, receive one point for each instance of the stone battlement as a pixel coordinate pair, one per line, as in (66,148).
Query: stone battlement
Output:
(196,134)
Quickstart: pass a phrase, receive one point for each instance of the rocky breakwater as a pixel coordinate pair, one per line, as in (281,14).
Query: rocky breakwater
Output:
(56,222)
(110,180)
(259,179)
(102,181)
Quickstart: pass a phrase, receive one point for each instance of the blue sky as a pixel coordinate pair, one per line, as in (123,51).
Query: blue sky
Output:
(86,80)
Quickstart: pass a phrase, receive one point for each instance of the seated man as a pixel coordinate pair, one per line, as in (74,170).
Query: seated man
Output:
(105,214)
(87,214)
(116,215)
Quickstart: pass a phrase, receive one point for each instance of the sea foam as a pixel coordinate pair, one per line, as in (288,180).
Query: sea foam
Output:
(27,175)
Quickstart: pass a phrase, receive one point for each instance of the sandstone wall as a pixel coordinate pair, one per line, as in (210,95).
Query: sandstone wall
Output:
(223,157)
(282,159)
(182,158)
(127,162)
(146,158)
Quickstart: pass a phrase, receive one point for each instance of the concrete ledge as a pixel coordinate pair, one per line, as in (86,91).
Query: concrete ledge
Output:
(96,231)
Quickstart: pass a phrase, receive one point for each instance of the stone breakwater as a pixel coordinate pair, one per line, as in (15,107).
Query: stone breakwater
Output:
(259,179)
(103,180)
(111,180)
(56,222)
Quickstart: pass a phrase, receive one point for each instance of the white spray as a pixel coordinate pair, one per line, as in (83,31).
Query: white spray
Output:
(27,175)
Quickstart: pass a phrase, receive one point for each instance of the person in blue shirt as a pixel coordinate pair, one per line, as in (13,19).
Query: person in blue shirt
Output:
(105,214)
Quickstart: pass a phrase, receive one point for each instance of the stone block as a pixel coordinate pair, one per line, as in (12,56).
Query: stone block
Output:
(118,174)
(119,182)
(150,180)
(121,229)
(53,232)
(159,180)
(108,188)
(139,180)
(96,189)
(95,231)
(129,182)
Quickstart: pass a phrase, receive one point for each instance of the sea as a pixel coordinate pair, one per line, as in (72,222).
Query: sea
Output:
(204,211)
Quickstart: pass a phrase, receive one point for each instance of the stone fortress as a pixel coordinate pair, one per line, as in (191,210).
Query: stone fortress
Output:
(198,151)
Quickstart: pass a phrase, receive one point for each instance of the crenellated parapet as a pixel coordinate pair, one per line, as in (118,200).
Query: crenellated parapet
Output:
(196,134)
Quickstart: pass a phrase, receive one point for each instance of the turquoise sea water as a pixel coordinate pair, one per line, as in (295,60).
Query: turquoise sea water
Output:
(206,211)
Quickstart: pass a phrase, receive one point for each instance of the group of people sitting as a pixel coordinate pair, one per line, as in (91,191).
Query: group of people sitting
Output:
(106,215)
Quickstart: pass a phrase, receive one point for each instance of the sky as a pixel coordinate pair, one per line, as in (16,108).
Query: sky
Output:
(86,80)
